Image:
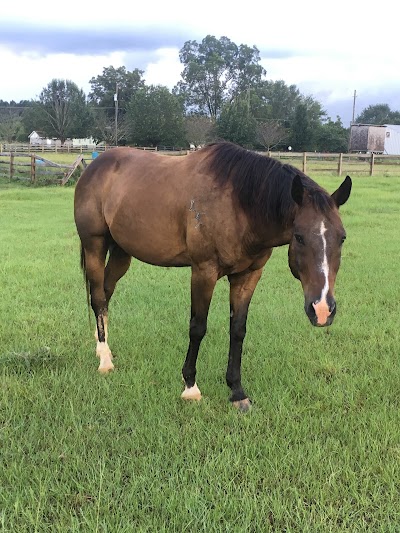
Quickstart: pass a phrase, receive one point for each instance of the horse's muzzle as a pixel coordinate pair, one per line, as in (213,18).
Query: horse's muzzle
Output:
(321,319)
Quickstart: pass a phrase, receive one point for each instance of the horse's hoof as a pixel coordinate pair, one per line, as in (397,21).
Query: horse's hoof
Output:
(242,405)
(105,369)
(191,393)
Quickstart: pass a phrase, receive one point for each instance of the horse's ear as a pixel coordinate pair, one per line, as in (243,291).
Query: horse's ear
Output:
(341,195)
(297,190)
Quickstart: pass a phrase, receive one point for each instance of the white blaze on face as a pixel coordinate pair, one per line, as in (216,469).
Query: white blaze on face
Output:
(321,307)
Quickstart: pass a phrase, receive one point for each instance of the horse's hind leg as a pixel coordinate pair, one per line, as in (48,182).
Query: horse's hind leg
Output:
(95,250)
(117,266)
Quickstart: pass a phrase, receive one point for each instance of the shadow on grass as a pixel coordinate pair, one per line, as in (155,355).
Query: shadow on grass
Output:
(31,362)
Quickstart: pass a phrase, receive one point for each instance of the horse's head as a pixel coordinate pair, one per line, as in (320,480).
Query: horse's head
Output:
(315,248)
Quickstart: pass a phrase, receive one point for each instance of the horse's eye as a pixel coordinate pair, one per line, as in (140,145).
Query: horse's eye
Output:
(299,238)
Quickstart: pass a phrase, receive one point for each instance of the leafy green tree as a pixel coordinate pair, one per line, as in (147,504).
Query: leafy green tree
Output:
(155,117)
(333,137)
(11,127)
(306,124)
(103,88)
(378,114)
(11,120)
(60,112)
(237,123)
(302,135)
(215,72)
(276,100)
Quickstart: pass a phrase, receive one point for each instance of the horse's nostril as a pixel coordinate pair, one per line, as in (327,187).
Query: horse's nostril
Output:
(332,306)
(310,310)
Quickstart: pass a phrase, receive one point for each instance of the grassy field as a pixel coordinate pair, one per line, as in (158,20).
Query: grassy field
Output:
(319,452)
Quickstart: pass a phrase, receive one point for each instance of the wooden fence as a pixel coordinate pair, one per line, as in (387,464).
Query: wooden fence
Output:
(83,149)
(314,163)
(43,148)
(35,168)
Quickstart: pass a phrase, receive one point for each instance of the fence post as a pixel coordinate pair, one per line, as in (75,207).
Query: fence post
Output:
(371,165)
(305,162)
(11,165)
(33,169)
(340,165)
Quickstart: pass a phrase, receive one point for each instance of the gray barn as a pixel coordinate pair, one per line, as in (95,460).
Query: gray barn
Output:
(367,138)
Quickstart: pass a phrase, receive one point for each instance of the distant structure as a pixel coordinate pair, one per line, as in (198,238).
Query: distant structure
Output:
(37,138)
(369,138)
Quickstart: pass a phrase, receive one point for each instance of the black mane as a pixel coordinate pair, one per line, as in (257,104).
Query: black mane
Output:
(262,184)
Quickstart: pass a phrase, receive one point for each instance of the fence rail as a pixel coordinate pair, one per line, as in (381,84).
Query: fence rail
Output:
(69,149)
(315,162)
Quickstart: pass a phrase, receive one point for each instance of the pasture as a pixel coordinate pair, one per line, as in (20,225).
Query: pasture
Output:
(320,450)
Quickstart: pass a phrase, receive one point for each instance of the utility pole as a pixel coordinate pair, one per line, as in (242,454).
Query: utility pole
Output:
(116,113)
(354,105)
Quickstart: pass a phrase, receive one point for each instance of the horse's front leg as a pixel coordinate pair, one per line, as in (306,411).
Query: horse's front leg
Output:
(241,291)
(202,287)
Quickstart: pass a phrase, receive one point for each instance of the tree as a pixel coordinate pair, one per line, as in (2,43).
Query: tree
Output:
(302,134)
(333,137)
(104,127)
(155,116)
(198,128)
(11,120)
(306,124)
(270,133)
(11,127)
(61,111)
(104,88)
(215,72)
(237,124)
(378,114)
(276,100)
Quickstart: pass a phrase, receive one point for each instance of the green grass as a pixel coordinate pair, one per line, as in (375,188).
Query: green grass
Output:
(319,452)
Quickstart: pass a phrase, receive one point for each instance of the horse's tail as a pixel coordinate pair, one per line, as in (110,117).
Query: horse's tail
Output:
(86,279)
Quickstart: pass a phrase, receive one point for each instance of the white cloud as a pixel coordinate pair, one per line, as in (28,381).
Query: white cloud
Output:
(331,50)
(166,70)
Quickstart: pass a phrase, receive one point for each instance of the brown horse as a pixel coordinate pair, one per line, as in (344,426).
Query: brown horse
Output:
(220,211)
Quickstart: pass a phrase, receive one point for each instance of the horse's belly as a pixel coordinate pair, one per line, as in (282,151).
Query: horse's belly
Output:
(159,244)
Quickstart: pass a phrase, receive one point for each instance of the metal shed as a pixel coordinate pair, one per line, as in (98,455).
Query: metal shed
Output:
(367,138)
(392,139)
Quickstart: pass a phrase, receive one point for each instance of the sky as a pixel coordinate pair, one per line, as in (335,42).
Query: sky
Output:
(326,50)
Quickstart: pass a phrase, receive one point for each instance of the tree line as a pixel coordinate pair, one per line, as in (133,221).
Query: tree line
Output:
(223,94)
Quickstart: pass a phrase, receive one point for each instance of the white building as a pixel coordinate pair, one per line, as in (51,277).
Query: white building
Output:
(392,139)
(36,138)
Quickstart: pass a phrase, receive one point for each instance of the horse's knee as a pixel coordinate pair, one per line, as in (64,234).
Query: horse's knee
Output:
(198,328)
(238,331)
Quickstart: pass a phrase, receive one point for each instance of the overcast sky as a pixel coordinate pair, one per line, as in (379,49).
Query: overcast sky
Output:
(327,49)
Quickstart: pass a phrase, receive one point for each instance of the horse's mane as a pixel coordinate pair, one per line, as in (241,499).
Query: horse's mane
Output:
(262,184)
